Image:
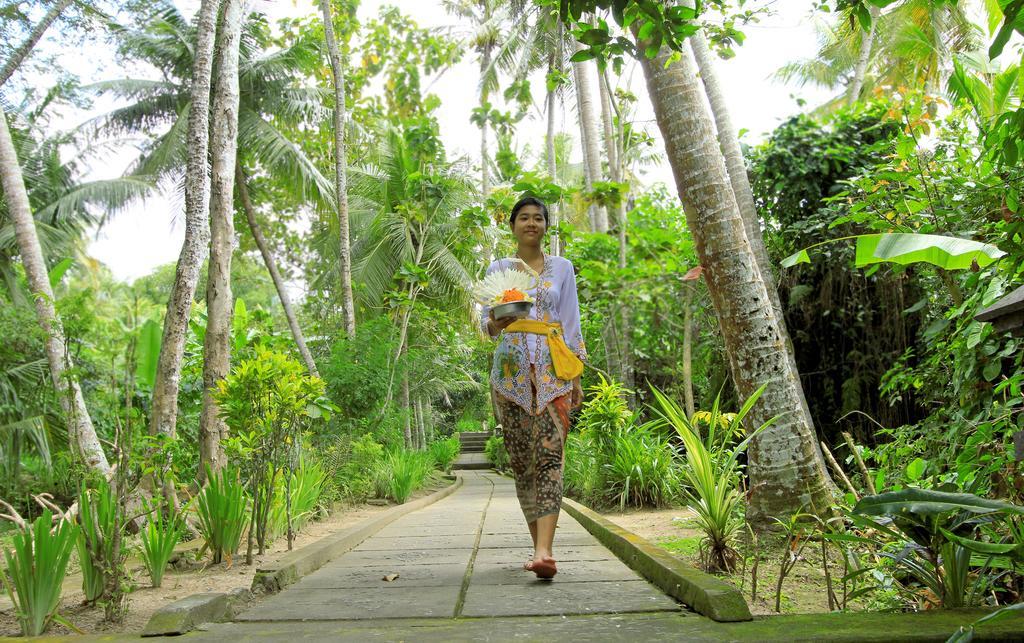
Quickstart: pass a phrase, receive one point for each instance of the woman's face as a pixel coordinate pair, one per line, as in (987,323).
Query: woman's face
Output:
(529,225)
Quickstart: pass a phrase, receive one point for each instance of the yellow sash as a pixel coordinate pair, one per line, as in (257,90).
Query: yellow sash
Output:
(567,366)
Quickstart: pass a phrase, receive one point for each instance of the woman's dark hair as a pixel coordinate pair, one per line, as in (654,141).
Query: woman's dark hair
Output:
(525,201)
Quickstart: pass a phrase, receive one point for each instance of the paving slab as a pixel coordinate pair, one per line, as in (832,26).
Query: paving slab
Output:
(428,540)
(296,604)
(411,557)
(373,577)
(546,598)
(396,529)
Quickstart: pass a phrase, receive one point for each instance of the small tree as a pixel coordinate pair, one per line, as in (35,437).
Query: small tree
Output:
(266,402)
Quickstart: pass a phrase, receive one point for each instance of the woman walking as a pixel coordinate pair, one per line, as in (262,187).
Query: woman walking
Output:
(535,378)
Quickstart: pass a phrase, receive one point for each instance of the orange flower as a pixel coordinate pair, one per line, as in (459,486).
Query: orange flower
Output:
(513,294)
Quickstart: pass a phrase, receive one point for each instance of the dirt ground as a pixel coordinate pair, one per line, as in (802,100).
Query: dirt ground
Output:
(803,590)
(212,578)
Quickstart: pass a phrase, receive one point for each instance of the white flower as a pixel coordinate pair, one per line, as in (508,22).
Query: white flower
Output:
(491,289)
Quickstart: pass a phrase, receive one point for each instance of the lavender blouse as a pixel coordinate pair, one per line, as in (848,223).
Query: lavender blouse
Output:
(555,300)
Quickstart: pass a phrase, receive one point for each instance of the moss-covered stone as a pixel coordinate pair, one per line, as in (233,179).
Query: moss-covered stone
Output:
(184,615)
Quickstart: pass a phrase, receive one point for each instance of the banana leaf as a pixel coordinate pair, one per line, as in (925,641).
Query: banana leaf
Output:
(926,502)
(148,353)
(949,253)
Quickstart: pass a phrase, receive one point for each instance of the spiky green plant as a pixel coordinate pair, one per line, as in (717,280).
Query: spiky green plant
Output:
(37,564)
(158,540)
(711,472)
(307,482)
(97,517)
(222,507)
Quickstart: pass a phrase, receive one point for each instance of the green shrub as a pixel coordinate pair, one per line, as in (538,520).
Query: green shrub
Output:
(222,507)
(158,540)
(641,470)
(37,568)
(496,452)
(445,452)
(409,470)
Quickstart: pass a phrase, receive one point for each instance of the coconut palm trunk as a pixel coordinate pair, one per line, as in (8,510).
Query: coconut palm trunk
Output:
(195,247)
(219,302)
(615,169)
(787,474)
(688,352)
(271,263)
(589,140)
(549,146)
(81,432)
(340,176)
(863,57)
(406,419)
(22,52)
(729,143)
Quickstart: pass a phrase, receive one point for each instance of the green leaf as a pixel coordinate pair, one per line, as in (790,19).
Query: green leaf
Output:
(978,546)
(57,272)
(794,259)
(148,353)
(916,469)
(1010,151)
(595,36)
(583,55)
(929,502)
(992,370)
(949,253)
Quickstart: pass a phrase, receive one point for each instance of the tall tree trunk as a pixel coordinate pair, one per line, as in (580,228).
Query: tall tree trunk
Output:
(549,146)
(688,352)
(589,140)
(787,473)
(729,143)
(340,176)
(485,63)
(195,247)
(406,421)
(22,52)
(615,170)
(81,432)
(863,57)
(219,303)
(275,274)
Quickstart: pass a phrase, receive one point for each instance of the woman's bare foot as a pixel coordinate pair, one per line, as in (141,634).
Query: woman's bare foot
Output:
(543,566)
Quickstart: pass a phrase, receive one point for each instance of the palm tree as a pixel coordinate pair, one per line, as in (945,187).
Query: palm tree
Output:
(910,45)
(729,143)
(26,47)
(340,163)
(407,226)
(194,248)
(271,101)
(219,303)
(81,431)
(787,473)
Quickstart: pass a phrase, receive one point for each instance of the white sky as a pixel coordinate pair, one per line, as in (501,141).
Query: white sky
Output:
(150,234)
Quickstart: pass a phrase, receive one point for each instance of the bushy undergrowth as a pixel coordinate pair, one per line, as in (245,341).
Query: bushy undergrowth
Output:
(445,452)
(496,452)
(307,483)
(614,460)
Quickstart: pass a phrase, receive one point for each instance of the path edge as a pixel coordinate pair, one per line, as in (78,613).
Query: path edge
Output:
(274,577)
(706,594)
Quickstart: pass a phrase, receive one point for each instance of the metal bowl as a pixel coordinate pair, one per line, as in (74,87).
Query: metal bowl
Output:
(516,309)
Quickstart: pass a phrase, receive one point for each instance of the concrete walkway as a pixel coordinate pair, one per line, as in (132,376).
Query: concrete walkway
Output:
(460,558)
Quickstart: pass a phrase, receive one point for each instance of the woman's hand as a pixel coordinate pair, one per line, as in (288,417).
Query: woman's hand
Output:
(576,396)
(495,326)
